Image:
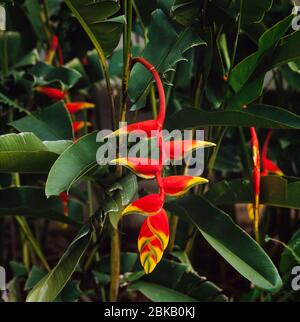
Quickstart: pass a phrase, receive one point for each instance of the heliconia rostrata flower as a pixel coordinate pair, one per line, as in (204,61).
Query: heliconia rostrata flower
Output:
(154,234)
(268,167)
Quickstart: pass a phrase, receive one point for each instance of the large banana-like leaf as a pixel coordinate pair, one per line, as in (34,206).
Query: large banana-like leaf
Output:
(48,288)
(25,152)
(72,164)
(31,202)
(229,240)
(262,116)
(51,123)
(182,285)
(103,31)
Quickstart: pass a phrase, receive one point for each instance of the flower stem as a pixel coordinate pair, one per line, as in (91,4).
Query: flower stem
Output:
(114,265)
(126,57)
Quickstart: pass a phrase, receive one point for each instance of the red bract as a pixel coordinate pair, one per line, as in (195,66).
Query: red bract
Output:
(178,185)
(154,233)
(143,167)
(53,93)
(148,205)
(53,48)
(74,107)
(153,240)
(78,125)
(177,149)
(268,165)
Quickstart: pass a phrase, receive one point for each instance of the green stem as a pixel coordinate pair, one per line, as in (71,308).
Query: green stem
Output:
(140,21)
(223,131)
(126,57)
(213,157)
(153,102)
(28,234)
(102,57)
(114,265)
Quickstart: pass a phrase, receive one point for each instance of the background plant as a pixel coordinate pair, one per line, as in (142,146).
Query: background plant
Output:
(227,65)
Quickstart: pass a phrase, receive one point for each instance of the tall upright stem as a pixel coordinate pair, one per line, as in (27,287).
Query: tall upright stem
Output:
(126,57)
(115,238)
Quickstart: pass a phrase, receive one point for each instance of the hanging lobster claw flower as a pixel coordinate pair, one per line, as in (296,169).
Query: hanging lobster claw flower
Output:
(177,149)
(53,93)
(147,128)
(149,205)
(74,107)
(142,167)
(255,180)
(178,185)
(78,125)
(153,240)
(268,165)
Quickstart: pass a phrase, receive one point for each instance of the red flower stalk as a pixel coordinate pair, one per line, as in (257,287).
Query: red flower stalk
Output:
(53,93)
(79,125)
(255,180)
(74,107)
(53,48)
(154,233)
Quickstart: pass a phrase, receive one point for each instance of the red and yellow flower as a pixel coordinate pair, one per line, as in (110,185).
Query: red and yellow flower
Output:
(74,107)
(154,233)
(53,93)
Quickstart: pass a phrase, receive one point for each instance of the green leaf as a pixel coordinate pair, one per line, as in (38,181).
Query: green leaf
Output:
(185,12)
(275,191)
(261,116)
(24,152)
(35,275)
(103,31)
(49,124)
(31,202)
(286,51)
(19,269)
(47,289)
(290,257)
(183,284)
(158,293)
(229,240)
(45,74)
(242,71)
(33,12)
(72,164)
(164,49)
(120,194)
